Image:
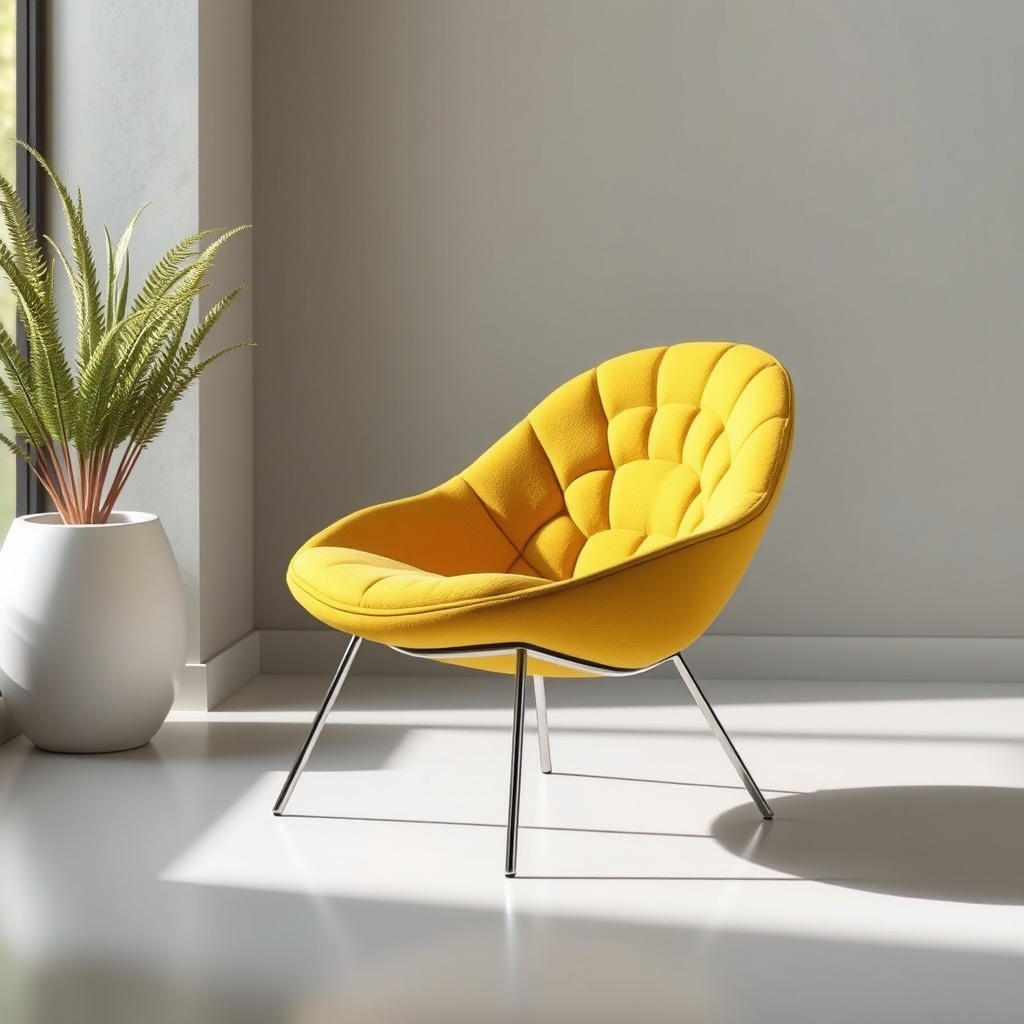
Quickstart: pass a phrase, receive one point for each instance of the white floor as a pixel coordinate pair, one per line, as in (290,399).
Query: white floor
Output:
(156,886)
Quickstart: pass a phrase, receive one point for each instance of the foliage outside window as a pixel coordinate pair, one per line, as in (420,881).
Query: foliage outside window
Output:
(8,131)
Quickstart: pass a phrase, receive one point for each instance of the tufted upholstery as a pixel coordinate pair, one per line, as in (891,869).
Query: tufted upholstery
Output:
(612,524)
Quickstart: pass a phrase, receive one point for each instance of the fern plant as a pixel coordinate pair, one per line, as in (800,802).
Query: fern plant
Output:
(82,428)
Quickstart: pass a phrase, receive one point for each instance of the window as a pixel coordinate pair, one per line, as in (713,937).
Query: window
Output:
(20,68)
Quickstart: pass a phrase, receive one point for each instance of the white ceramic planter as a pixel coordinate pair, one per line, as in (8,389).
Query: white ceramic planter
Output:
(92,630)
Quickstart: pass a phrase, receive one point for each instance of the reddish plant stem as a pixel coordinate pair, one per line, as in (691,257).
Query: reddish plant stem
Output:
(43,475)
(47,456)
(102,471)
(49,472)
(94,480)
(75,498)
(83,477)
(124,469)
(76,484)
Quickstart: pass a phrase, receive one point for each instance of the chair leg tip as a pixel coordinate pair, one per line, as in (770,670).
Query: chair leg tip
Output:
(510,874)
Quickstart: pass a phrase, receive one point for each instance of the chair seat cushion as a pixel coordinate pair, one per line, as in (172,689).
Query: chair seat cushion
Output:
(361,582)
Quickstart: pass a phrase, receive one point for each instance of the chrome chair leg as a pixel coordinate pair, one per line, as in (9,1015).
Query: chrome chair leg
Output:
(512,835)
(318,724)
(540,702)
(723,737)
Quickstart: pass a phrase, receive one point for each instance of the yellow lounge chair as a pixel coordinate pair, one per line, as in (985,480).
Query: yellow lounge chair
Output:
(600,536)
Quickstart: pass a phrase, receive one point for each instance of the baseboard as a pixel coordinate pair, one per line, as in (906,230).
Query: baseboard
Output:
(8,730)
(869,658)
(204,685)
(822,658)
(825,658)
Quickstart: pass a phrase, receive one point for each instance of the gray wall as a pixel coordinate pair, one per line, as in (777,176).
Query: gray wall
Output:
(461,203)
(151,100)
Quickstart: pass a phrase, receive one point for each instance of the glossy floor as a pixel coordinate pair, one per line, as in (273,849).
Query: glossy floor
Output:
(155,886)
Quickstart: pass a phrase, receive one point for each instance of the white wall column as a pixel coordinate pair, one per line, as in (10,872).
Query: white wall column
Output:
(150,100)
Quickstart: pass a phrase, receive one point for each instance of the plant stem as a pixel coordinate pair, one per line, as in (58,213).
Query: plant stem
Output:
(47,474)
(103,472)
(94,485)
(48,454)
(42,474)
(124,469)
(86,489)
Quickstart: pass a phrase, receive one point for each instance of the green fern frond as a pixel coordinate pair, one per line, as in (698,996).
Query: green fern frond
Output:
(15,448)
(166,271)
(142,371)
(25,247)
(73,283)
(15,409)
(174,360)
(16,377)
(126,240)
(116,259)
(38,310)
(49,373)
(89,325)
(111,281)
(98,382)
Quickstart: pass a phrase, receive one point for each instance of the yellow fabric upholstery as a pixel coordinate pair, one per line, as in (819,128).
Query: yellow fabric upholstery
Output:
(611,525)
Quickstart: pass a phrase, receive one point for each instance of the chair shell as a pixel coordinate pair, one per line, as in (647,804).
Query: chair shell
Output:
(611,525)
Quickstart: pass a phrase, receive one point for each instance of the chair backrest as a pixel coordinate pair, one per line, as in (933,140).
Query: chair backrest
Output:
(647,449)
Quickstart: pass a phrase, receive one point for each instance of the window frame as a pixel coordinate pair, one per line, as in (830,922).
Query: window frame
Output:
(29,67)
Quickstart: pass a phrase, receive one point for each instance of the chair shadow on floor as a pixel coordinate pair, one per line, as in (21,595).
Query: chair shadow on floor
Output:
(962,844)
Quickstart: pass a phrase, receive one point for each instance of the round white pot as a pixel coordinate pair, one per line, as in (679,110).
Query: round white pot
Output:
(92,630)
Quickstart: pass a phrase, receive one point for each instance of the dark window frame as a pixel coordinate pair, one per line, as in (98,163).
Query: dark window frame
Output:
(29,67)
